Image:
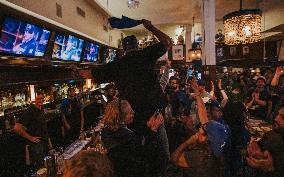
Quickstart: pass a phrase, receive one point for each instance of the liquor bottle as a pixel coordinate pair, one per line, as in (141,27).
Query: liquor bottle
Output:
(5,101)
(10,100)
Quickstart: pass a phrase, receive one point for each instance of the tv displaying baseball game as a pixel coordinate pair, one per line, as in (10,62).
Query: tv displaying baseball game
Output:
(21,38)
(109,55)
(91,52)
(67,47)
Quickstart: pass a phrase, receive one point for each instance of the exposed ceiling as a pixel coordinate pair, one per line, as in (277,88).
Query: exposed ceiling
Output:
(169,14)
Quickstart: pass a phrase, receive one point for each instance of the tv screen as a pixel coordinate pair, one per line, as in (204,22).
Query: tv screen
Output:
(91,52)
(67,47)
(110,55)
(21,38)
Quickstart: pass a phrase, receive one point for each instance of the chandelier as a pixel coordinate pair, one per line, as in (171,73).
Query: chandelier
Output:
(243,26)
(133,4)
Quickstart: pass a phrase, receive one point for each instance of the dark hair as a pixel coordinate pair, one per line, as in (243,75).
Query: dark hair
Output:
(186,112)
(175,78)
(129,42)
(212,104)
(235,113)
(89,164)
(110,86)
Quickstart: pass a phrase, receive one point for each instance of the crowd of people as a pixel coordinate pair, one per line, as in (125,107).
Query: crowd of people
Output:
(207,131)
(156,126)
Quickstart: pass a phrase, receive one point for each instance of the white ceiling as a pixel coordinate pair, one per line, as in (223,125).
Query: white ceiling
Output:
(169,14)
(171,11)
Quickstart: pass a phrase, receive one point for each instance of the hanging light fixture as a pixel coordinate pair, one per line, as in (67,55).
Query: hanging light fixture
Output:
(243,26)
(195,52)
(133,4)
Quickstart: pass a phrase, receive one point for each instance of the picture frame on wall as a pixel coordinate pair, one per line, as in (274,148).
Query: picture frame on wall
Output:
(233,51)
(220,52)
(245,50)
(178,53)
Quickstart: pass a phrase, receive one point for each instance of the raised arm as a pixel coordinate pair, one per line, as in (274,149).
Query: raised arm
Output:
(162,37)
(223,93)
(279,72)
(202,113)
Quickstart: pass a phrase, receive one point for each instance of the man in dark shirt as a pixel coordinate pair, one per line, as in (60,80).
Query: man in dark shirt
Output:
(134,74)
(73,116)
(267,155)
(136,80)
(260,99)
(32,126)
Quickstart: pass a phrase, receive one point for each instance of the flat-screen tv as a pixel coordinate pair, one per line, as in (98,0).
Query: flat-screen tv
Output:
(21,38)
(109,55)
(91,52)
(67,47)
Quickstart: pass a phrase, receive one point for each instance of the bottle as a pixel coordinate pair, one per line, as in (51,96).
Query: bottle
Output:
(7,124)
(10,99)
(5,101)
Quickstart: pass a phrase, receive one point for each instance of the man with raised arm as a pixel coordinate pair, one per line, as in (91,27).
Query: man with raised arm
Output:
(137,82)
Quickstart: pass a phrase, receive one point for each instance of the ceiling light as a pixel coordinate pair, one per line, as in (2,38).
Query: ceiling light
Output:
(243,26)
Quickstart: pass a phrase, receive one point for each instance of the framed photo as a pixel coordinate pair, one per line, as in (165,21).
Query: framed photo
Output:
(233,51)
(245,50)
(178,52)
(220,52)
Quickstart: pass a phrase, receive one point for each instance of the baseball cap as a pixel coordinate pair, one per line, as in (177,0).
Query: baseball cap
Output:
(30,28)
(261,78)
(219,137)
(213,103)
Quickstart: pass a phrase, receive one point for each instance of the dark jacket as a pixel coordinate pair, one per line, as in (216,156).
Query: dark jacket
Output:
(127,153)
(136,81)
(273,141)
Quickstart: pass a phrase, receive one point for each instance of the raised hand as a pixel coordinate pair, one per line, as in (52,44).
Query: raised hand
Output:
(253,148)
(155,122)
(279,71)
(263,162)
(194,85)
(168,62)
(212,85)
(35,139)
(147,24)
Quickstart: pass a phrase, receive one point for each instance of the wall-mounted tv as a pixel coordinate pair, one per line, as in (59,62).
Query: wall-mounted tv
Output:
(67,47)
(109,55)
(91,52)
(21,38)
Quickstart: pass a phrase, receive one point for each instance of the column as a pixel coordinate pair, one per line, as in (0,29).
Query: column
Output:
(208,23)
(188,42)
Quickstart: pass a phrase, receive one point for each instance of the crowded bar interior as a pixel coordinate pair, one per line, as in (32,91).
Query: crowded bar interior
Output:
(141,88)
